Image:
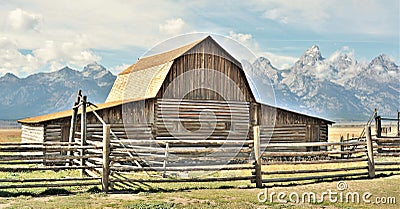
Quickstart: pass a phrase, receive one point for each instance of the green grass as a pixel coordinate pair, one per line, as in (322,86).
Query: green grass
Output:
(206,198)
(238,194)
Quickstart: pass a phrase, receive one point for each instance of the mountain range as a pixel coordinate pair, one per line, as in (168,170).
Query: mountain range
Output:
(338,88)
(44,93)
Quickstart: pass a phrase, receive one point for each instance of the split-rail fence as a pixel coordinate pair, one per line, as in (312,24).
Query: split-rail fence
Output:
(111,158)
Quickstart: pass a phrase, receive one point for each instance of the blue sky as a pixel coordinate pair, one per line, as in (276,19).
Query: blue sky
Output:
(45,35)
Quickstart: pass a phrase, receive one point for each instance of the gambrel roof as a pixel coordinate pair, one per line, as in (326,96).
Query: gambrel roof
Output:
(145,78)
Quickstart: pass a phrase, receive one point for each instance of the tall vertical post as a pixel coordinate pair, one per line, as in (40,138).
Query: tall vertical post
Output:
(341,147)
(398,123)
(257,155)
(376,122)
(72,128)
(106,158)
(165,160)
(83,133)
(370,150)
(379,126)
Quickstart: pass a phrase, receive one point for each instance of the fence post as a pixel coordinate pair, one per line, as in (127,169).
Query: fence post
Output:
(106,158)
(257,155)
(370,149)
(341,147)
(72,128)
(164,175)
(83,133)
(398,123)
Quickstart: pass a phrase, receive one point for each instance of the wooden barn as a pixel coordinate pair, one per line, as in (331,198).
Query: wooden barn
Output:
(197,91)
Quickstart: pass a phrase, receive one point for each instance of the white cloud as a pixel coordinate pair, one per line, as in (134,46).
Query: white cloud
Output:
(279,61)
(277,15)
(22,20)
(50,26)
(73,52)
(172,26)
(11,58)
(306,12)
(119,68)
(372,17)
(244,38)
(52,53)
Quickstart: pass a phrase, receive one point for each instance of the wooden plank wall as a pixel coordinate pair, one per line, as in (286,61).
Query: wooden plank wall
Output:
(188,120)
(32,133)
(268,113)
(207,56)
(231,118)
(285,133)
(133,112)
(52,133)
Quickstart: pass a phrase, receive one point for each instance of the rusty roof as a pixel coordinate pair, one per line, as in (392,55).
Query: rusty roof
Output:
(158,59)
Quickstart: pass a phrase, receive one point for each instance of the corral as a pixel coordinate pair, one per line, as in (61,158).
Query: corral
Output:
(180,112)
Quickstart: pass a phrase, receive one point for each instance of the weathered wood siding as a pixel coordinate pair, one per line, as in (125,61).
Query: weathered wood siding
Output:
(315,129)
(268,113)
(32,133)
(207,55)
(133,112)
(284,133)
(138,112)
(195,119)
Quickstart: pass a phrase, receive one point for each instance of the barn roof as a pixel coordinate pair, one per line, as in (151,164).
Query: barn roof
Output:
(158,59)
(147,75)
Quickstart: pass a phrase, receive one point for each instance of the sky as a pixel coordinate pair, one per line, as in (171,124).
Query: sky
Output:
(46,35)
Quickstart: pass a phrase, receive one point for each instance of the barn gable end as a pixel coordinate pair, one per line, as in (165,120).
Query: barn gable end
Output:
(144,79)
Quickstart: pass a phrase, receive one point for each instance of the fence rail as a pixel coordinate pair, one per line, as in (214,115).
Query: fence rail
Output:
(361,157)
(109,157)
(31,157)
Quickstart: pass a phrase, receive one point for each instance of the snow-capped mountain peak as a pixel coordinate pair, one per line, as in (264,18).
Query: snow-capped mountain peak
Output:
(383,62)
(339,88)
(310,57)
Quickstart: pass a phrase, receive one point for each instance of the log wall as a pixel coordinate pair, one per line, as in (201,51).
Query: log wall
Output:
(32,133)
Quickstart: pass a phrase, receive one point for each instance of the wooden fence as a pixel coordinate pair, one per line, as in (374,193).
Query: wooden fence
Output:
(118,156)
(29,157)
(351,158)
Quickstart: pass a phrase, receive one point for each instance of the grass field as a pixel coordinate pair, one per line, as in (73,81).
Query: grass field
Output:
(239,194)
(10,135)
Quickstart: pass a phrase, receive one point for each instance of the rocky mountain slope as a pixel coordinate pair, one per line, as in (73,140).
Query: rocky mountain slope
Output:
(338,87)
(43,93)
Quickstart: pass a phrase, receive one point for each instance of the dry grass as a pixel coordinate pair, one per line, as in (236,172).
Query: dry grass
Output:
(197,195)
(335,132)
(213,197)
(10,135)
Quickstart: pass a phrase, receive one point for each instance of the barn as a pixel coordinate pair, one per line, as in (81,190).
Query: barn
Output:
(196,91)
